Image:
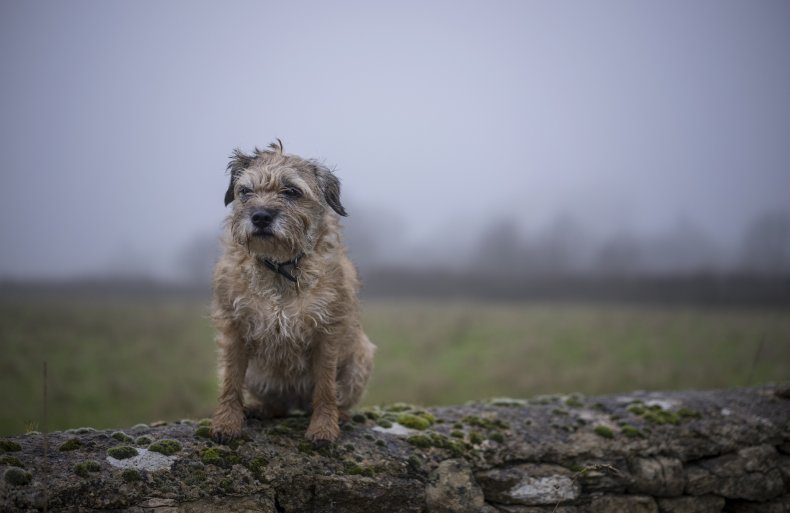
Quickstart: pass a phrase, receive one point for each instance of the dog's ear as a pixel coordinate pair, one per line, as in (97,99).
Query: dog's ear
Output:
(330,187)
(238,162)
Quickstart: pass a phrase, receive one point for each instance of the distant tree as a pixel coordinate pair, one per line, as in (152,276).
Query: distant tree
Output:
(500,250)
(766,244)
(621,255)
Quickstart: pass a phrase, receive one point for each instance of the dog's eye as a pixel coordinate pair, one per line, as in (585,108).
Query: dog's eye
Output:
(244,191)
(292,193)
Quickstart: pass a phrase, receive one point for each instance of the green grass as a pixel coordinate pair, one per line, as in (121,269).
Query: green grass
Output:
(117,364)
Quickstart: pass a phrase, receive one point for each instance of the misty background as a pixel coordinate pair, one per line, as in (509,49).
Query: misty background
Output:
(507,138)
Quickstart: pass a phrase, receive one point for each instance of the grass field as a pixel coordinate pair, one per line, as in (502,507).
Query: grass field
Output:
(120,363)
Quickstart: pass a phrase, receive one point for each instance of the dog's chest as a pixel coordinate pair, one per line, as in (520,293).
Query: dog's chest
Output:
(280,332)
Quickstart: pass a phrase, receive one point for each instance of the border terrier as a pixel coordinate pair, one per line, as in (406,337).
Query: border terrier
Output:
(285,304)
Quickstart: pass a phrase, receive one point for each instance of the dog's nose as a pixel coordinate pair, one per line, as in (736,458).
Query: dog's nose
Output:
(263,217)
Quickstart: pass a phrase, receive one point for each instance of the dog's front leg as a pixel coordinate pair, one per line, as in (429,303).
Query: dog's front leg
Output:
(228,421)
(324,420)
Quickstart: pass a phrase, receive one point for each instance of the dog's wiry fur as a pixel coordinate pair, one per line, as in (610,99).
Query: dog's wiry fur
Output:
(288,345)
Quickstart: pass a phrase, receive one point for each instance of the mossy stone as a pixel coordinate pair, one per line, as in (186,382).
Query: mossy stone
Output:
(497,437)
(122,452)
(573,402)
(122,437)
(421,441)
(604,431)
(143,440)
(86,467)
(631,431)
(166,447)
(385,423)
(414,421)
(131,475)
(71,444)
(399,407)
(204,422)
(7,459)
(356,469)
(456,433)
(9,446)
(17,477)
(210,456)
(476,438)
(359,418)
(203,432)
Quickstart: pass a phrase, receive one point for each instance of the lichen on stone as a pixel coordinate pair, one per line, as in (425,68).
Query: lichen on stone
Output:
(122,452)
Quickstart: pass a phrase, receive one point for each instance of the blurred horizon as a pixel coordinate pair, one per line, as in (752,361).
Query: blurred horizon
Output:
(647,136)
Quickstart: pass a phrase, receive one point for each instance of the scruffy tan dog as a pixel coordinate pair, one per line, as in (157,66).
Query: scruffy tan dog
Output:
(285,298)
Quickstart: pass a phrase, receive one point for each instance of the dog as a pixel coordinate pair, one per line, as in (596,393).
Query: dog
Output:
(285,305)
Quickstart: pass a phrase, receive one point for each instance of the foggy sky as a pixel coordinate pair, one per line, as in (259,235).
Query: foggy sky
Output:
(118,117)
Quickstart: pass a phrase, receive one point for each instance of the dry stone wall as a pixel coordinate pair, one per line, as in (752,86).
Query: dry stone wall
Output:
(660,452)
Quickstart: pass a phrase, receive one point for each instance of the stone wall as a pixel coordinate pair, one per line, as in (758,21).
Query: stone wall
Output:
(669,452)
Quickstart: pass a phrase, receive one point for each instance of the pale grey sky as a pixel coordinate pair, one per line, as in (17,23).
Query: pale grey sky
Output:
(118,117)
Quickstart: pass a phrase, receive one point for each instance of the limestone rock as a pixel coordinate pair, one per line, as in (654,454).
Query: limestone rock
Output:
(529,484)
(688,504)
(453,489)
(659,476)
(623,504)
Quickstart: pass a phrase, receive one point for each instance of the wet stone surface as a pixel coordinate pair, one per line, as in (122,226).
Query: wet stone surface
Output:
(667,452)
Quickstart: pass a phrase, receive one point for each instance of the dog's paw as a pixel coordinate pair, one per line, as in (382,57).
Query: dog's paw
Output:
(227,426)
(322,432)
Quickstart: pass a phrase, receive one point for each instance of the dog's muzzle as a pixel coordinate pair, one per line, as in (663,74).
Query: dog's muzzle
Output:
(262,220)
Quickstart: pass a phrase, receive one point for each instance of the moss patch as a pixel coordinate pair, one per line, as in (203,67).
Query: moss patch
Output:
(122,437)
(497,437)
(485,423)
(203,431)
(219,457)
(631,432)
(17,477)
(415,421)
(122,452)
(425,441)
(143,440)
(356,469)
(359,418)
(9,446)
(166,447)
(573,402)
(131,475)
(7,459)
(604,431)
(86,467)
(72,444)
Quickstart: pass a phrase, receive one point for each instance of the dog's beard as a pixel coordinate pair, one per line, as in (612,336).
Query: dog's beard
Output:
(280,241)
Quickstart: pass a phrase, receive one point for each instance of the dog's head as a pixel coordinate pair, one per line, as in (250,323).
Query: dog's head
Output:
(279,201)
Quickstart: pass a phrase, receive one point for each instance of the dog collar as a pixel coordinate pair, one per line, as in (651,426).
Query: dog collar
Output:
(282,268)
